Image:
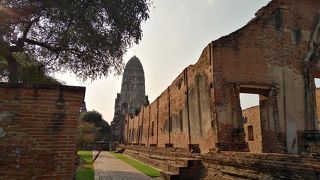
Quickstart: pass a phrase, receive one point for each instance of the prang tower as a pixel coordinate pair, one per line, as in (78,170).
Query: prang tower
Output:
(131,98)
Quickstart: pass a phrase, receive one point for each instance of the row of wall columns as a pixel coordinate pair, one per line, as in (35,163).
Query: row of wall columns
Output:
(130,131)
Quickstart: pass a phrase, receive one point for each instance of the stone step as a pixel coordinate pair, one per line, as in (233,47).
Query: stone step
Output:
(188,162)
(192,173)
(176,168)
(167,175)
(235,173)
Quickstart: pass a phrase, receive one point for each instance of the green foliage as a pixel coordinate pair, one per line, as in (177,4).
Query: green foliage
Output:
(85,37)
(85,170)
(147,170)
(95,117)
(31,71)
(87,133)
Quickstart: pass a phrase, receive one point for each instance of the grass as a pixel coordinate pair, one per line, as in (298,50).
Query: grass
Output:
(85,169)
(147,170)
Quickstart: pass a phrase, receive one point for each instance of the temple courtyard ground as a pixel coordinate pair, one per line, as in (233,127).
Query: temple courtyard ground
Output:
(108,167)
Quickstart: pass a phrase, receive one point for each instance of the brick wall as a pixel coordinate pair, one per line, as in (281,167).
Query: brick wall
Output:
(267,55)
(234,165)
(179,112)
(153,130)
(201,107)
(252,118)
(182,114)
(318,105)
(38,124)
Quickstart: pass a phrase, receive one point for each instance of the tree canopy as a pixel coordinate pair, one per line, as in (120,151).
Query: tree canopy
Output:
(85,37)
(87,133)
(95,118)
(31,71)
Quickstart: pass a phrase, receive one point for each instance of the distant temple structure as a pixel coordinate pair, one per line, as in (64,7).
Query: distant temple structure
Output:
(131,98)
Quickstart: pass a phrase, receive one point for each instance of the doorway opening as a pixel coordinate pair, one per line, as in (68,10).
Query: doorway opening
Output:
(250,109)
(254,101)
(248,100)
(317,82)
(317,95)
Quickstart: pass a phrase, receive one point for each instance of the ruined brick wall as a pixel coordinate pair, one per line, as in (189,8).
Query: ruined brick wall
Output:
(163,121)
(200,97)
(318,105)
(179,135)
(252,119)
(38,130)
(182,115)
(234,165)
(153,130)
(145,125)
(266,57)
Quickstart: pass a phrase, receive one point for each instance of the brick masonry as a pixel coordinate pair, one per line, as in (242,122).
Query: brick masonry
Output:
(276,56)
(38,130)
(233,165)
(269,57)
(252,118)
(131,98)
(318,105)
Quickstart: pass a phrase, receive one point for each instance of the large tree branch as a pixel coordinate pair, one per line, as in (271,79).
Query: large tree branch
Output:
(20,44)
(29,25)
(44,45)
(16,48)
(56,49)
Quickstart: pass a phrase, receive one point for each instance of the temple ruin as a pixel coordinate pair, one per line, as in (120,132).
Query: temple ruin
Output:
(276,56)
(131,98)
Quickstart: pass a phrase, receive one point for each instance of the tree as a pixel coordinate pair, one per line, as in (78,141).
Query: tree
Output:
(31,71)
(94,117)
(87,133)
(86,37)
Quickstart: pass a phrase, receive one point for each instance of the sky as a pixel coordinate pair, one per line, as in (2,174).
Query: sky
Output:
(173,38)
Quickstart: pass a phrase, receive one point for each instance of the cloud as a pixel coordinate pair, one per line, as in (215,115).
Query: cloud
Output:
(181,7)
(210,2)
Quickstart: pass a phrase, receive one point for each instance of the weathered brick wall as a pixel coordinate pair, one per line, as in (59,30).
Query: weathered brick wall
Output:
(268,51)
(179,112)
(199,77)
(153,131)
(234,165)
(38,123)
(134,129)
(145,125)
(252,118)
(266,57)
(163,121)
(318,105)
(182,114)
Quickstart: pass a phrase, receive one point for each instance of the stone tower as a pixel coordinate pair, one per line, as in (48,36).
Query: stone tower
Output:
(131,98)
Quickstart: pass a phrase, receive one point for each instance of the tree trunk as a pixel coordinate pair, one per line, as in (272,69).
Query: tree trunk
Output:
(14,68)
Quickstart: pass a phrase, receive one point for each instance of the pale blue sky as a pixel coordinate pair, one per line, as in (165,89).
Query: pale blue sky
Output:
(173,38)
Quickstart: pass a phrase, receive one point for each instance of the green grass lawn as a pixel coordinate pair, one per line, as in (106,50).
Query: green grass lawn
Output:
(149,171)
(85,169)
